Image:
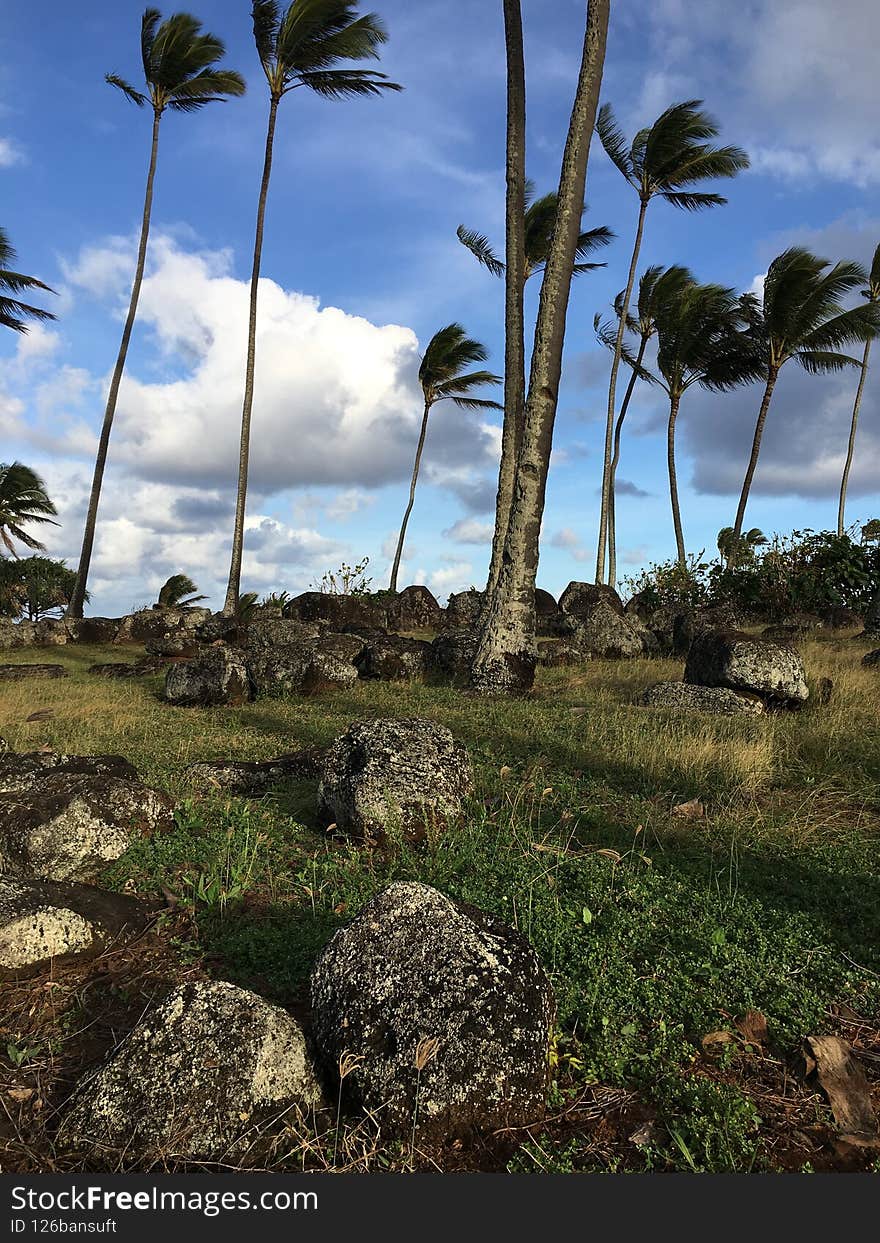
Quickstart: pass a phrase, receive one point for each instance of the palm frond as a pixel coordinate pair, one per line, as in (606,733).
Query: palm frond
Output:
(266,16)
(209,86)
(481,248)
(612,139)
(821,362)
(476,403)
(691,200)
(127,89)
(149,24)
(346,83)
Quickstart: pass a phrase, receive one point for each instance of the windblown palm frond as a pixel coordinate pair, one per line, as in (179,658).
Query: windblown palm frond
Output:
(14,313)
(23,499)
(179,591)
(443,374)
(481,248)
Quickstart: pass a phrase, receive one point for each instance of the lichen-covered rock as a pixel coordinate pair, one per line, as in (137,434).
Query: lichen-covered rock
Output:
(198,1072)
(42,920)
(546,610)
(94,629)
(30,770)
(50,632)
(218,628)
(579,599)
(252,778)
(743,663)
(340,613)
(415,608)
(332,666)
(871,660)
(417,980)
(452,655)
(686,697)
(279,653)
(393,658)
(16,634)
(463,608)
(125,669)
(398,777)
(18,673)
(148,624)
(600,630)
(69,826)
(176,643)
(218,675)
(560,653)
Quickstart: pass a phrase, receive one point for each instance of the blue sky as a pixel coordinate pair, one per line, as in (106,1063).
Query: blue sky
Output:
(361,266)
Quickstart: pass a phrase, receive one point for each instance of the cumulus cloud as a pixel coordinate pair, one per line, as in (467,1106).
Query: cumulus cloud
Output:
(569,541)
(10,153)
(469,531)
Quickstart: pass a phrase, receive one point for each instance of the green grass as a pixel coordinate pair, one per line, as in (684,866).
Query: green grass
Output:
(655,929)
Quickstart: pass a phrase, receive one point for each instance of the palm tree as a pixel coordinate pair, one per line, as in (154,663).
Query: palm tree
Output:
(180,74)
(656,285)
(698,342)
(801,317)
(505,658)
(13,312)
(302,45)
(872,293)
(442,376)
(733,553)
(23,498)
(538,221)
(665,160)
(178,592)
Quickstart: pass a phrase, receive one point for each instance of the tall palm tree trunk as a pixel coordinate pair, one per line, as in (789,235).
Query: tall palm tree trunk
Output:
(230,606)
(505,659)
(392,586)
(514,324)
(673,478)
(78,595)
(612,392)
(852,439)
(612,476)
(753,459)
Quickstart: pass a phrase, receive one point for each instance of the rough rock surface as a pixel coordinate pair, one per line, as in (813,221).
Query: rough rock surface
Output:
(463,608)
(94,629)
(338,612)
(332,666)
(600,630)
(50,632)
(686,697)
(178,643)
(252,778)
(17,673)
(69,826)
(125,669)
(217,628)
(452,654)
(15,634)
(194,1076)
(417,978)
(743,663)
(557,653)
(579,599)
(394,777)
(415,608)
(394,658)
(41,920)
(278,654)
(30,770)
(218,675)
(871,660)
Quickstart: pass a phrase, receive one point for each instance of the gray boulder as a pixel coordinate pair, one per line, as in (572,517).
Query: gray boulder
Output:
(579,599)
(70,826)
(414,608)
(194,1076)
(447,1009)
(452,655)
(31,770)
(339,612)
(600,630)
(125,669)
(560,653)
(743,663)
(218,675)
(253,778)
(686,697)
(391,778)
(332,666)
(94,629)
(41,921)
(393,658)
(463,608)
(279,653)
(50,632)
(871,660)
(176,643)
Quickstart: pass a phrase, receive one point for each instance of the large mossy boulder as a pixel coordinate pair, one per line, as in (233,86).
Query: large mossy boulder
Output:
(444,1010)
(580,599)
(463,608)
(394,778)
(217,676)
(195,1076)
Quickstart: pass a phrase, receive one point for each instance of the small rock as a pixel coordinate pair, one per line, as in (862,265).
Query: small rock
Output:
(443,1011)
(16,673)
(41,920)
(685,697)
(217,676)
(123,669)
(394,777)
(252,778)
(872,659)
(197,1073)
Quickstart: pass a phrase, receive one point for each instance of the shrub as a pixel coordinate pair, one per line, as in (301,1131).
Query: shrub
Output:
(34,587)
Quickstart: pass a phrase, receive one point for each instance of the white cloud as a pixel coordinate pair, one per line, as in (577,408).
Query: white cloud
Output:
(10,153)
(569,541)
(469,531)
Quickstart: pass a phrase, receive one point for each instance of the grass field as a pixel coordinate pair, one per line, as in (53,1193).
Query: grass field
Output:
(657,928)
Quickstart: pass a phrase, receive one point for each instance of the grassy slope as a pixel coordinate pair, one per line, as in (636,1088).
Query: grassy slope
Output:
(656,929)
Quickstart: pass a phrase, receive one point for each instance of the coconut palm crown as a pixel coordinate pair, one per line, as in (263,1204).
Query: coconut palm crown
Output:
(539,221)
(802,317)
(14,313)
(23,499)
